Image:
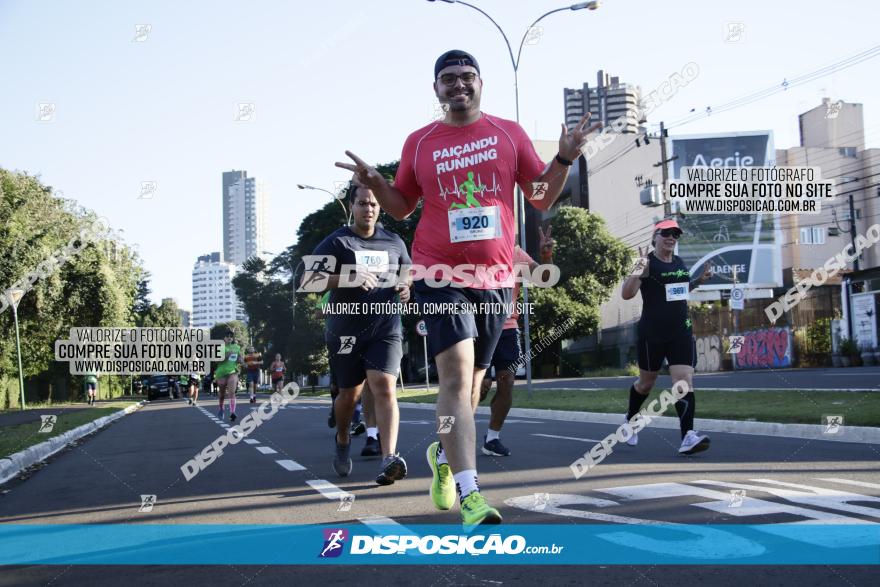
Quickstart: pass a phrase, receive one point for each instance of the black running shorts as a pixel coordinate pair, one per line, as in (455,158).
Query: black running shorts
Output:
(679,351)
(447,328)
(351,365)
(507,351)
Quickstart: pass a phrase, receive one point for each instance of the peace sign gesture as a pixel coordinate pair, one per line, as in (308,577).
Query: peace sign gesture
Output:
(546,244)
(365,176)
(570,143)
(640,269)
(707,272)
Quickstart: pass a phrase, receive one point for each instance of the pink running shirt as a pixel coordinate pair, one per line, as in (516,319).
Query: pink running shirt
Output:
(458,167)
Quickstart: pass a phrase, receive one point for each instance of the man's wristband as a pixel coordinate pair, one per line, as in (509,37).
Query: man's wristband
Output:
(561,161)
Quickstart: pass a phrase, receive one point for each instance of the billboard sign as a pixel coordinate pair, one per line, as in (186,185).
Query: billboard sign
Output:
(740,248)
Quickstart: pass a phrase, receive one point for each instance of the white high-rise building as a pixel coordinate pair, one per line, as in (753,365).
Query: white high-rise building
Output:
(214,298)
(244,216)
(607,101)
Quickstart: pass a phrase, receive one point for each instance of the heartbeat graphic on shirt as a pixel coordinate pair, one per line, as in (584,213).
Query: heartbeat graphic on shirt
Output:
(457,191)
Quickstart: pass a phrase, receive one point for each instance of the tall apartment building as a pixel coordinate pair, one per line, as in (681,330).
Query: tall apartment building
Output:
(608,101)
(244,216)
(832,138)
(214,298)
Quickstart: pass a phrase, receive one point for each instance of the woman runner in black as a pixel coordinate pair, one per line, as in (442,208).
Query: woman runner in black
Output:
(665,329)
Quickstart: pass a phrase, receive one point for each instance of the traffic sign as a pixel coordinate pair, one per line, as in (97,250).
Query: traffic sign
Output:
(422,328)
(737,298)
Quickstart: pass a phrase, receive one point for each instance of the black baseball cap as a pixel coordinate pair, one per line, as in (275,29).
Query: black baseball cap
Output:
(455,57)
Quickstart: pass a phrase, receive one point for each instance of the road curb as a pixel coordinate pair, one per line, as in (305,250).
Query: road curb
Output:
(862,434)
(14,464)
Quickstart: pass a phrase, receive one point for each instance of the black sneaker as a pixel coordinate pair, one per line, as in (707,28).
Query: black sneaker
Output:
(232,417)
(494,448)
(341,460)
(253,400)
(371,448)
(393,469)
(331,421)
(358,429)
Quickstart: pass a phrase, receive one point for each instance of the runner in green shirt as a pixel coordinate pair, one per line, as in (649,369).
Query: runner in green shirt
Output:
(226,373)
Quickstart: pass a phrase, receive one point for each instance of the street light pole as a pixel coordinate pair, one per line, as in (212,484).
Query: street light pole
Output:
(345,212)
(15,296)
(520,201)
(292,286)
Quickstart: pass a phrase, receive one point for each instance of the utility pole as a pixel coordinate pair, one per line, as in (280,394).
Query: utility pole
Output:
(662,164)
(852,230)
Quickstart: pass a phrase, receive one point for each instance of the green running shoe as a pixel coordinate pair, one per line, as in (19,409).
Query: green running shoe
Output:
(442,485)
(475,510)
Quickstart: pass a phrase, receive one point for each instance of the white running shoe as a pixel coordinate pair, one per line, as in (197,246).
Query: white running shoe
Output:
(694,443)
(634,439)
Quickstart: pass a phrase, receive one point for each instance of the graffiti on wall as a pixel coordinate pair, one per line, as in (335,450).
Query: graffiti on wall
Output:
(767,347)
(708,353)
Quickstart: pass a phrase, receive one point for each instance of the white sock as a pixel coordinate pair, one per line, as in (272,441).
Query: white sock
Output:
(466,482)
(492,434)
(441,457)
(373,432)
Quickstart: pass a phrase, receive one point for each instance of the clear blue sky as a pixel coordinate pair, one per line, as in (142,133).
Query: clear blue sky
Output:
(338,74)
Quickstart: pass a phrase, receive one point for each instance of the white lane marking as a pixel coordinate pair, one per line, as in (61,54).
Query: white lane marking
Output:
(818,497)
(266,450)
(568,438)
(251,441)
(850,482)
(291,465)
(327,489)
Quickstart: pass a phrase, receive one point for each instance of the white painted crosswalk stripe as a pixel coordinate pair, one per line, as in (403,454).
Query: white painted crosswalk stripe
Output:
(291,465)
(327,489)
(850,482)
(251,441)
(266,450)
(568,438)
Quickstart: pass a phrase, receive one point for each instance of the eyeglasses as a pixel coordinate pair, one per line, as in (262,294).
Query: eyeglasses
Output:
(673,232)
(449,79)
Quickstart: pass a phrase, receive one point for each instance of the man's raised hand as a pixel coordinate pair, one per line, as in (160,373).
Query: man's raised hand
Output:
(570,143)
(365,175)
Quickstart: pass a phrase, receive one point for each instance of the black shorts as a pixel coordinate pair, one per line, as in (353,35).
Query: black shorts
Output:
(446,329)
(350,367)
(679,351)
(507,351)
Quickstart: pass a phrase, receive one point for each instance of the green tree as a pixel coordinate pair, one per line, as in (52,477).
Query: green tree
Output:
(591,263)
(74,276)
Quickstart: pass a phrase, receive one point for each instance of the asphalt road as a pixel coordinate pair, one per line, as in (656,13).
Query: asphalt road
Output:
(285,477)
(853,378)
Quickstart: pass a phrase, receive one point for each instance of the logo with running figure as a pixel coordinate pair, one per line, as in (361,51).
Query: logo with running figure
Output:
(346,345)
(468,188)
(47,423)
(334,542)
(318,268)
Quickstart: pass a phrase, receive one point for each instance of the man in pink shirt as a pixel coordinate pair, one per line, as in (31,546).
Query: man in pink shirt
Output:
(464,170)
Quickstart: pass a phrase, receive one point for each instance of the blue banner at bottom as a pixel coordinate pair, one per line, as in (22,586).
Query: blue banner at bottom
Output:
(585,544)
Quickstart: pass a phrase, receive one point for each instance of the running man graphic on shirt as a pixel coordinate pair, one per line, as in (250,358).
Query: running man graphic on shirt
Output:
(468,188)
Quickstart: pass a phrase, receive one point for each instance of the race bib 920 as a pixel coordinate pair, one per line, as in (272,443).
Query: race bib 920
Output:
(676,292)
(474,224)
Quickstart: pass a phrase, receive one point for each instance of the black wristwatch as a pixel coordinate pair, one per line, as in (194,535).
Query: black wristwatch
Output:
(562,161)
